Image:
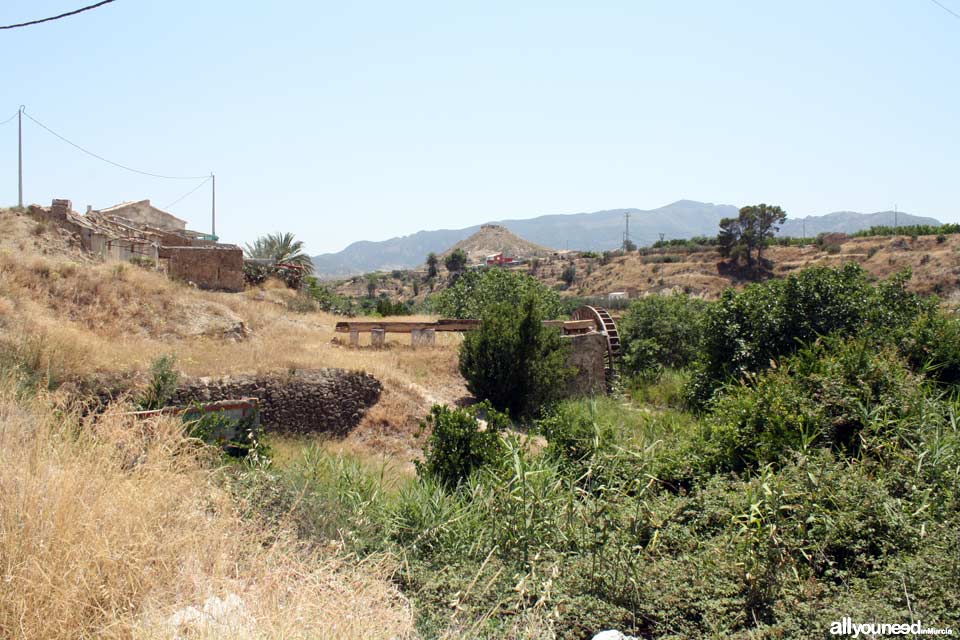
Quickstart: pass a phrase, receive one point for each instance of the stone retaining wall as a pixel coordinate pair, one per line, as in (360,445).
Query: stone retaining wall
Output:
(318,401)
(586,355)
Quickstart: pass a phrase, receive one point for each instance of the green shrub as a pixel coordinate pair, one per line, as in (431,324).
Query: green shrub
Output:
(476,291)
(842,394)
(457,446)
(513,360)
(661,331)
(932,345)
(744,331)
(162,384)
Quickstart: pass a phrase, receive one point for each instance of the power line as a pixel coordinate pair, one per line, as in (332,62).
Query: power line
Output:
(946,8)
(9,119)
(188,193)
(116,164)
(62,15)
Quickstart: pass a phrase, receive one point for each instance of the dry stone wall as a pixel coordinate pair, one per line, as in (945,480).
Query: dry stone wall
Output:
(319,401)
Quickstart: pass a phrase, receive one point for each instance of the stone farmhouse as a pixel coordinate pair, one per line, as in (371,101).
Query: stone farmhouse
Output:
(138,231)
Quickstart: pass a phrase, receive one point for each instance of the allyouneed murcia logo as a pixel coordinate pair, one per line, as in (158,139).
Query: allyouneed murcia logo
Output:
(847,627)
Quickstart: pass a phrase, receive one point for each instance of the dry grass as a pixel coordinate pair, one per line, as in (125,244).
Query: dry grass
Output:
(70,319)
(106,530)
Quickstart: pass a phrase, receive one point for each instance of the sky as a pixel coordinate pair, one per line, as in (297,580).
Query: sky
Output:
(345,121)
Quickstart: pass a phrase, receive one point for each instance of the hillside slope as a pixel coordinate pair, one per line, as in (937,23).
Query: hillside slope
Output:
(493,238)
(935,267)
(597,231)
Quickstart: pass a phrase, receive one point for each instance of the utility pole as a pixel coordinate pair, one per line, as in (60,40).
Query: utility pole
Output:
(20,157)
(896,217)
(626,232)
(213,205)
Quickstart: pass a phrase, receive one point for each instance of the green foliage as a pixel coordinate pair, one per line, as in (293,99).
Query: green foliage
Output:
(282,248)
(661,331)
(513,360)
(476,291)
(842,394)
(238,438)
(456,262)
(162,384)
(750,230)
(457,445)
(913,230)
(745,330)
(569,274)
(385,307)
(432,262)
(329,300)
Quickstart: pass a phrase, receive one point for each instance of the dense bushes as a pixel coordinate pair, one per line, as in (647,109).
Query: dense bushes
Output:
(661,331)
(909,230)
(513,360)
(476,291)
(745,330)
(842,394)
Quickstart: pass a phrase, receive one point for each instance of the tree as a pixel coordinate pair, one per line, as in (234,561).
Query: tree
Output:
(432,265)
(629,245)
(765,221)
(281,248)
(476,291)
(456,262)
(513,360)
(749,231)
(569,274)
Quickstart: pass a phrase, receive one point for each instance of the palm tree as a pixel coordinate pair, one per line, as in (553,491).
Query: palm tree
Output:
(281,248)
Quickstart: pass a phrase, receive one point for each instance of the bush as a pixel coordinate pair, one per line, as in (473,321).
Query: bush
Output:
(842,394)
(457,446)
(744,331)
(569,274)
(513,360)
(162,385)
(476,291)
(661,331)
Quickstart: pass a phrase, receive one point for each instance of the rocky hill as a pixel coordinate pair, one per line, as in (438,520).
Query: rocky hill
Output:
(494,238)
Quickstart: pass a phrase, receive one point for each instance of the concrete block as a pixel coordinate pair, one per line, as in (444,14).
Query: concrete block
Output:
(377,338)
(354,338)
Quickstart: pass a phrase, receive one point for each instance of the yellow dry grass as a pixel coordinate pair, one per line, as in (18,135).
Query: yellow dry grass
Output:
(74,320)
(108,529)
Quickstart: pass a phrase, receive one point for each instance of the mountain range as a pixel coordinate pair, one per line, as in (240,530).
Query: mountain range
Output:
(597,231)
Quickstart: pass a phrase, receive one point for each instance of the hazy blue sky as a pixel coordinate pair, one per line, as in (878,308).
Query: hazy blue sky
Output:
(346,121)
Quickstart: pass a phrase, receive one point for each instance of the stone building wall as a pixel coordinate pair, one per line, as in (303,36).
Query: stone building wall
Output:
(586,354)
(318,401)
(208,267)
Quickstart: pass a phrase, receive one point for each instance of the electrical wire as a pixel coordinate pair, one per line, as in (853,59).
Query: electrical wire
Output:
(188,193)
(62,15)
(116,164)
(9,119)
(946,8)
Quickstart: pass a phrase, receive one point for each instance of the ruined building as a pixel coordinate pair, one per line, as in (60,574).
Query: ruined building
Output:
(140,231)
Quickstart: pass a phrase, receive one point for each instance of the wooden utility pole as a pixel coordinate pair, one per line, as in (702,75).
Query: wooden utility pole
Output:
(20,157)
(213,205)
